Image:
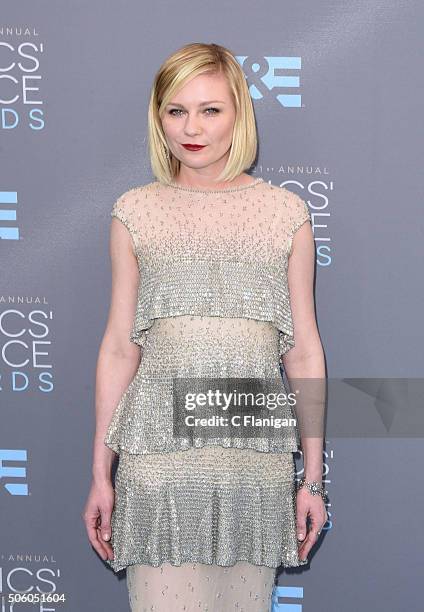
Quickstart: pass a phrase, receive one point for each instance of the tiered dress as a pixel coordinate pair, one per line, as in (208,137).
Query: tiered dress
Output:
(215,514)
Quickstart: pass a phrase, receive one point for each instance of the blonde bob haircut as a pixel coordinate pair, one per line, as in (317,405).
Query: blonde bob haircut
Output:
(179,68)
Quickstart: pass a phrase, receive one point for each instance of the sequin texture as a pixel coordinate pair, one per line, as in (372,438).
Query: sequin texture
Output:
(219,255)
(213,300)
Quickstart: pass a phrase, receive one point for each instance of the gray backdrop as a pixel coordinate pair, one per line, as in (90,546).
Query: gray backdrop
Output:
(344,131)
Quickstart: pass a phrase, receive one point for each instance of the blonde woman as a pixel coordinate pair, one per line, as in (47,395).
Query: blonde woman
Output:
(212,276)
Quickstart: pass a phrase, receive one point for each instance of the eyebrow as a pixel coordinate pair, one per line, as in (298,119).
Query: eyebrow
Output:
(201,104)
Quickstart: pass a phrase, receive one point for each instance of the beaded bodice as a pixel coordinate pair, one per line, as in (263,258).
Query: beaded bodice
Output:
(218,252)
(213,301)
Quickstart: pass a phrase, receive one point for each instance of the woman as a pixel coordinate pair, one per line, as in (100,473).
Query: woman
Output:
(200,291)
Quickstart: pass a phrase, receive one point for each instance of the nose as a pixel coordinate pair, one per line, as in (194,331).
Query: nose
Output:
(191,126)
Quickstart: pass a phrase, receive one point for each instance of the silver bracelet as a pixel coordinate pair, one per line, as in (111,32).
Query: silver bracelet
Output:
(315,487)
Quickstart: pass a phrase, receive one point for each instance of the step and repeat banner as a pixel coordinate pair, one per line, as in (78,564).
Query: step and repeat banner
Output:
(337,91)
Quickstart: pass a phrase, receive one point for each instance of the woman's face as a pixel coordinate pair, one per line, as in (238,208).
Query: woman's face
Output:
(201,113)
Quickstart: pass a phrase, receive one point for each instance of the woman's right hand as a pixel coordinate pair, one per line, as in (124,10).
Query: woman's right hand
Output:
(97,517)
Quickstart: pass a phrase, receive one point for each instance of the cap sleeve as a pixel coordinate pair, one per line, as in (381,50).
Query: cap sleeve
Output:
(298,215)
(124,210)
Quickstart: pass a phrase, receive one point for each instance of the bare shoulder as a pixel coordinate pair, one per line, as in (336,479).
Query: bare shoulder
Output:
(128,208)
(133,193)
(295,209)
(283,194)
(129,201)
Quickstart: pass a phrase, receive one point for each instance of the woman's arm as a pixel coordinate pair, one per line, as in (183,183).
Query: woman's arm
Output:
(118,357)
(306,359)
(117,364)
(304,363)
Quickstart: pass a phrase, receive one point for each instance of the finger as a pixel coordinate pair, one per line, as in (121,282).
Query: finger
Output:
(92,532)
(106,546)
(305,548)
(307,544)
(97,544)
(301,525)
(105,528)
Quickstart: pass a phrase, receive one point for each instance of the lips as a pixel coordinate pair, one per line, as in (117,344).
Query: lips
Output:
(191,147)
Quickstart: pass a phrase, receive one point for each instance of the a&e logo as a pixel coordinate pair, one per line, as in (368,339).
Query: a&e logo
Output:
(8,214)
(270,73)
(7,472)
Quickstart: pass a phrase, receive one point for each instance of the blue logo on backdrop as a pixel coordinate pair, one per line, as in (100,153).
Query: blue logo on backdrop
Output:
(286,593)
(8,214)
(261,76)
(6,472)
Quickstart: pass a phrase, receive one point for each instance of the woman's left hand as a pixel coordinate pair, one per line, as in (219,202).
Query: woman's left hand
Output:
(314,507)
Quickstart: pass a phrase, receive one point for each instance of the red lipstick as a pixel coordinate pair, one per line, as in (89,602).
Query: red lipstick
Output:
(192,147)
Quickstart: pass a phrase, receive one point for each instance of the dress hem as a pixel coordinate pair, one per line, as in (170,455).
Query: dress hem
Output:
(117,567)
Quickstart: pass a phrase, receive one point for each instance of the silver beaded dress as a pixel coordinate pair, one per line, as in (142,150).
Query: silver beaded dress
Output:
(202,523)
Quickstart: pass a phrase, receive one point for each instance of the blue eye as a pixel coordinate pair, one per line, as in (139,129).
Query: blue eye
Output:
(179,110)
